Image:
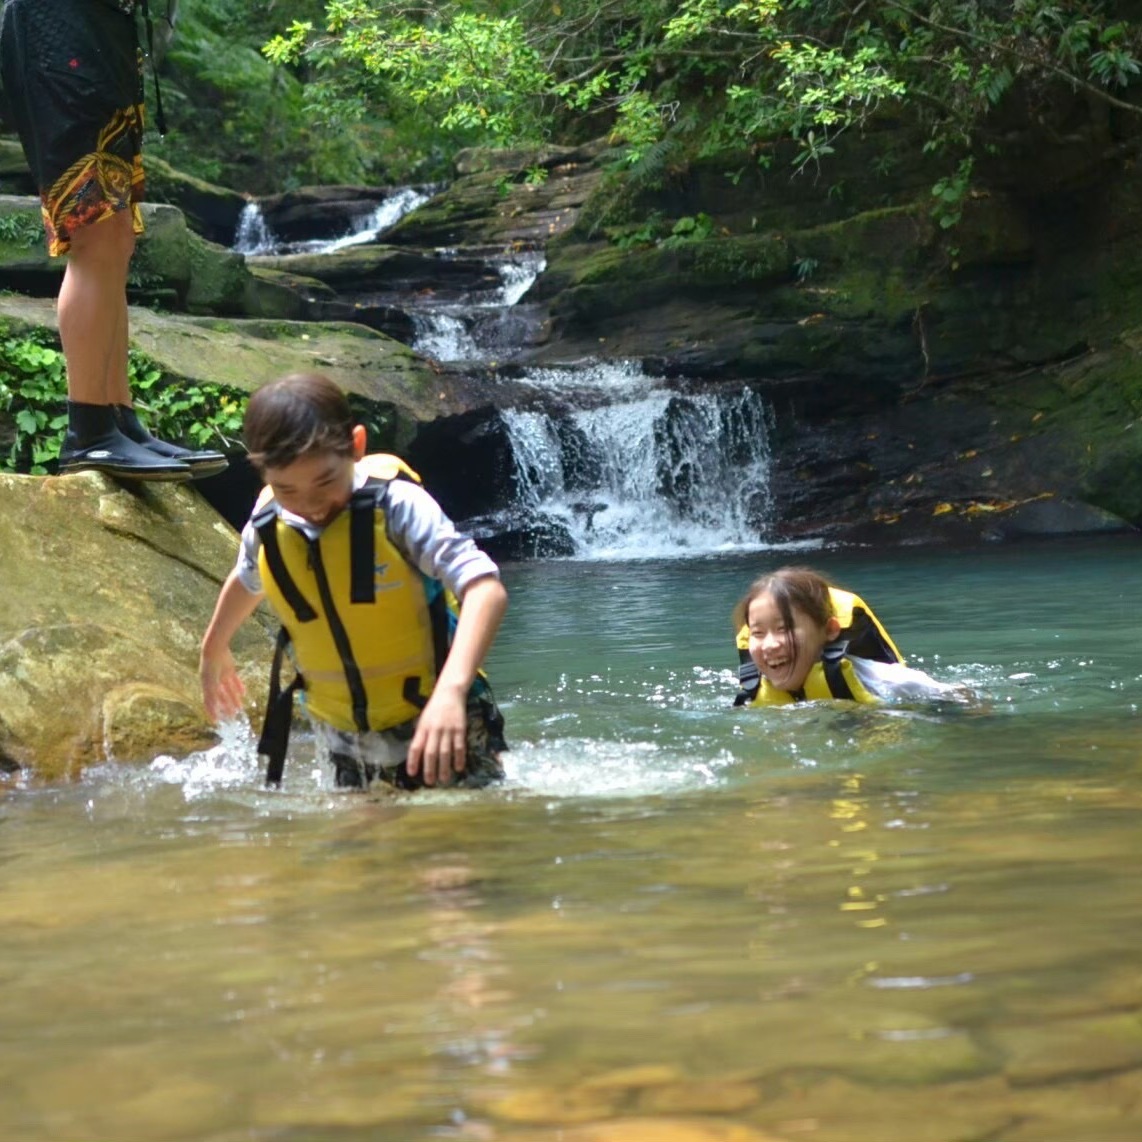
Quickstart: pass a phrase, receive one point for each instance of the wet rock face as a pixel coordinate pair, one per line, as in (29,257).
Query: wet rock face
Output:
(100,621)
(467,462)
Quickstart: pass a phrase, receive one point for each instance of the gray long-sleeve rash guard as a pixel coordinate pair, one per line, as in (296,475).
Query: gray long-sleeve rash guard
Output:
(417,525)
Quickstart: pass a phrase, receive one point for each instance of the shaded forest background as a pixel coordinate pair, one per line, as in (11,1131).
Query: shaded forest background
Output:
(272,94)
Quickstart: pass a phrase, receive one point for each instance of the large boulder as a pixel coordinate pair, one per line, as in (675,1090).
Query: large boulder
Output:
(107,590)
(212,211)
(24,261)
(15,177)
(172,265)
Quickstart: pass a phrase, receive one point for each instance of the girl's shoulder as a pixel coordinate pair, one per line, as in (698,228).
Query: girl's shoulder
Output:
(895,681)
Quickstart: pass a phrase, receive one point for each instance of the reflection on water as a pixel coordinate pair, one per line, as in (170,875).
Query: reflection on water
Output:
(673,923)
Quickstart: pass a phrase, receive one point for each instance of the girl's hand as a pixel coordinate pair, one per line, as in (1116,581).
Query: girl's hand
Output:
(223,691)
(440,744)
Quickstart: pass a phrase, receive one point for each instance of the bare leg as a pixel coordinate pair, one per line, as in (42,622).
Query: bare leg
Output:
(118,388)
(93,309)
(117,384)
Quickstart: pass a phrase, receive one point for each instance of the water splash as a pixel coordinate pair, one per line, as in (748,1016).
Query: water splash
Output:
(577,767)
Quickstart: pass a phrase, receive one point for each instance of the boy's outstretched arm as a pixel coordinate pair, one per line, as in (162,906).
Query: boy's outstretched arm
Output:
(222,689)
(440,742)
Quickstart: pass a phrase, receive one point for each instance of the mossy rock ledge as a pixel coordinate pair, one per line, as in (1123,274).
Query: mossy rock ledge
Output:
(245,353)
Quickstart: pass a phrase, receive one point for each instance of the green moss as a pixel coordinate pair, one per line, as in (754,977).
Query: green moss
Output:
(888,234)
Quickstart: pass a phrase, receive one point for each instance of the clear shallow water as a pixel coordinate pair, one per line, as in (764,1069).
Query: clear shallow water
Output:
(673,923)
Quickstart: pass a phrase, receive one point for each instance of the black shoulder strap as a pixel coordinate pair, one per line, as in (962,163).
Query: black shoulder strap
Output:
(749,680)
(831,659)
(363,541)
(274,740)
(866,641)
(266,524)
(160,118)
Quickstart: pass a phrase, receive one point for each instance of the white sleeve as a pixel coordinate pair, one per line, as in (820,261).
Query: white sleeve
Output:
(430,541)
(895,682)
(246,568)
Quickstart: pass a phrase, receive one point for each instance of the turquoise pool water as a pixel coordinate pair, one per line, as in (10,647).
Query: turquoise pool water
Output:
(674,922)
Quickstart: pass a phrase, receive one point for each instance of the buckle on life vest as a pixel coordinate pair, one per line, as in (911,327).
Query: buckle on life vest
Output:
(749,680)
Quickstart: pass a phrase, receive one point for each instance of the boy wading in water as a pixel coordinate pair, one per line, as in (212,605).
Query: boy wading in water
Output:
(357,561)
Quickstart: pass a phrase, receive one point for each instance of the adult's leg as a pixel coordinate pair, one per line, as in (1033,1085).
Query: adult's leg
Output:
(70,76)
(92,311)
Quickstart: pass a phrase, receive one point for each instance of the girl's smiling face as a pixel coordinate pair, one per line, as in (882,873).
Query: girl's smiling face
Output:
(785,651)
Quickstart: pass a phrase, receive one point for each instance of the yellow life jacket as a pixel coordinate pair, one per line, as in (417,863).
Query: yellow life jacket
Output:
(369,631)
(861,636)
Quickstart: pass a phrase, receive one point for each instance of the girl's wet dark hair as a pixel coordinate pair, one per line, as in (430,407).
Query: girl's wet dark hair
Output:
(291,417)
(792,588)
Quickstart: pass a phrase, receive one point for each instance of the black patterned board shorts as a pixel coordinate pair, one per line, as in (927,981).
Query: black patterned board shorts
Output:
(360,759)
(73,83)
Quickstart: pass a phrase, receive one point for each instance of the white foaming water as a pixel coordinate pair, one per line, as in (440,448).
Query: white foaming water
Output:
(366,229)
(577,767)
(443,337)
(444,333)
(254,235)
(651,473)
(518,274)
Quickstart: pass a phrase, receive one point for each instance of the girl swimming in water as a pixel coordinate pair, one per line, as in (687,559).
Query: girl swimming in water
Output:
(801,638)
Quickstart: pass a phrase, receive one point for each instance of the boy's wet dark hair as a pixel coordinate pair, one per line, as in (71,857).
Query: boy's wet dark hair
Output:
(299,414)
(792,588)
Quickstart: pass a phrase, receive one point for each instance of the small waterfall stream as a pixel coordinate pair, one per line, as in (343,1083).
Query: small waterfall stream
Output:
(604,461)
(254,236)
(647,471)
(481,325)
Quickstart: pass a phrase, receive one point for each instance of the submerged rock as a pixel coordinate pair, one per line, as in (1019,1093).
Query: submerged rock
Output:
(667,1130)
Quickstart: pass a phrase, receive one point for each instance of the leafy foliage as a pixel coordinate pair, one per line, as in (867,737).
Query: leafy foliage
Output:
(235,118)
(726,74)
(33,395)
(22,229)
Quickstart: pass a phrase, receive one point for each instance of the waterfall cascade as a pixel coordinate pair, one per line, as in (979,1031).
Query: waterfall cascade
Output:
(254,236)
(641,470)
(478,326)
(598,459)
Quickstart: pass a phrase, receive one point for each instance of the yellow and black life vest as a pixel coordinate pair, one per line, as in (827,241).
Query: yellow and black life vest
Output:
(861,636)
(369,631)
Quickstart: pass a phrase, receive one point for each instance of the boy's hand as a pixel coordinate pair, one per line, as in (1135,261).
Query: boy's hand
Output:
(222,690)
(440,744)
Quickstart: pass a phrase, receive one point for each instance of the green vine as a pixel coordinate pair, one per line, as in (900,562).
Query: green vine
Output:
(33,392)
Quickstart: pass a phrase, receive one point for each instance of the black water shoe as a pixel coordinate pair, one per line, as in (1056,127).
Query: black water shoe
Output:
(201,463)
(117,456)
